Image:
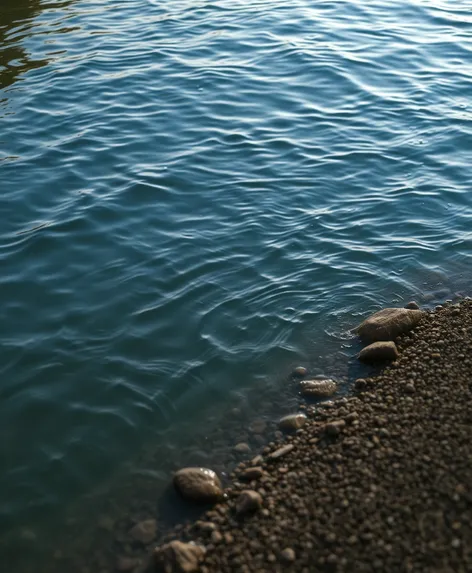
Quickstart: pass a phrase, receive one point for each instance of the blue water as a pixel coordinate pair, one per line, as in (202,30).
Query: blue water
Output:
(197,196)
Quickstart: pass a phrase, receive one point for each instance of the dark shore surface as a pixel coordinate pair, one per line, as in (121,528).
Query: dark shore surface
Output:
(379,481)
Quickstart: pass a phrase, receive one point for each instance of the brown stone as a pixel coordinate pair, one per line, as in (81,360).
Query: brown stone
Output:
(299,372)
(284,450)
(389,323)
(252,473)
(179,557)
(292,422)
(248,501)
(287,555)
(382,351)
(198,484)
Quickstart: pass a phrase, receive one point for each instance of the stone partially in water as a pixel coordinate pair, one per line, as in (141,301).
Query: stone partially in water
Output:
(388,323)
(292,422)
(318,388)
(144,531)
(198,484)
(299,372)
(383,351)
(179,557)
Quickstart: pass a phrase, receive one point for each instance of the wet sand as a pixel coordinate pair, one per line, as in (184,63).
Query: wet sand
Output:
(379,481)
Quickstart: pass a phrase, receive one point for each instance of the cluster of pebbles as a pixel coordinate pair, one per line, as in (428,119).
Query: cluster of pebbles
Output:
(378,481)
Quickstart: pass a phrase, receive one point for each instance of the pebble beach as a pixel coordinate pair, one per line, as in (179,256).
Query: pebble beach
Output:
(375,481)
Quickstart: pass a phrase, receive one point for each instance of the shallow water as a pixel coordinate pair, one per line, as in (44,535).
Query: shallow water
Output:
(197,196)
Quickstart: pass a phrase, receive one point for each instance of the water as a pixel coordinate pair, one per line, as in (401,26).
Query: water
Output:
(195,197)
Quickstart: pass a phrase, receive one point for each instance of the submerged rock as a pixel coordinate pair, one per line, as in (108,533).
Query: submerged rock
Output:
(258,426)
(179,557)
(292,422)
(318,388)
(126,564)
(382,351)
(388,323)
(412,305)
(198,484)
(144,531)
(242,448)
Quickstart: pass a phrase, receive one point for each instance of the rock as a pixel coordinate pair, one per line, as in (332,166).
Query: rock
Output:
(106,523)
(242,448)
(288,555)
(384,351)
(292,422)
(284,450)
(198,484)
(258,426)
(248,502)
(412,305)
(299,372)
(252,474)
(388,323)
(333,429)
(318,388)
(127,563)
(410,388)
(179,557)
(206,526)
(28,535)
(216,537)
(144,531)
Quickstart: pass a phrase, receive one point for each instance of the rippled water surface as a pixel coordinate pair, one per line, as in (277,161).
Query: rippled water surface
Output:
(195,197)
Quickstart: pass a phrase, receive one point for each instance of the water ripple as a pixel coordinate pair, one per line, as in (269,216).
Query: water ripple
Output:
(196,195)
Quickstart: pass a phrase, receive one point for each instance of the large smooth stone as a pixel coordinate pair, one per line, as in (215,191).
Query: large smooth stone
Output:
(383,351)
(318,388)
(198,484)
(179,557)
(389,323)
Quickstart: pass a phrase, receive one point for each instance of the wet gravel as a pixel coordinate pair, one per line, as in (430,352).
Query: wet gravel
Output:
(379,481)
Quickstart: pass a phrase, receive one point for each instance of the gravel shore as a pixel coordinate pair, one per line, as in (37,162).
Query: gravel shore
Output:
(380,481)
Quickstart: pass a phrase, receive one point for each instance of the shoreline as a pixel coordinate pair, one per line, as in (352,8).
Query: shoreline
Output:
(378,481)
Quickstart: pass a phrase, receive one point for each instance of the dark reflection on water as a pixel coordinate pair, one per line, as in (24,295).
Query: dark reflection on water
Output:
(16,24)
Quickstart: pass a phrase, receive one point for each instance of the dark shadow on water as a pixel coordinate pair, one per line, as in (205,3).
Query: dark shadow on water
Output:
(17,24)
(173,510)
